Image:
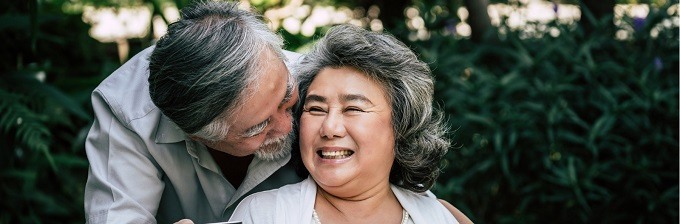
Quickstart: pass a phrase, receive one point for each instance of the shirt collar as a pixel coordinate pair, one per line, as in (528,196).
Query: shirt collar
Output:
(168,132)
(258,171)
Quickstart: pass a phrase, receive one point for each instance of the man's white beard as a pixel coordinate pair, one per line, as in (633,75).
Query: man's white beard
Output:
(274,149)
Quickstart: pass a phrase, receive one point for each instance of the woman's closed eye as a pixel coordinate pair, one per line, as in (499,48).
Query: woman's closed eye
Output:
(353,109)
(315,110)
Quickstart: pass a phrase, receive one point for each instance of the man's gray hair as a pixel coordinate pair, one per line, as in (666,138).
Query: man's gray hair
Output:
(419,132)
(200,69)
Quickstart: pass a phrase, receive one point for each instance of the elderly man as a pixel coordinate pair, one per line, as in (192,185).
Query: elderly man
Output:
(190,126)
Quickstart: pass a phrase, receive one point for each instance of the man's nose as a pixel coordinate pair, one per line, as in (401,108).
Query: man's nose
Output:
(284,122)
(286,114)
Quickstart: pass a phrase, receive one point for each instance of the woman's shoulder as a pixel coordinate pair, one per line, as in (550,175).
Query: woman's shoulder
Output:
(410,197)
(261,198)
(255,207)
(423,208)
(262,207)
(269,198)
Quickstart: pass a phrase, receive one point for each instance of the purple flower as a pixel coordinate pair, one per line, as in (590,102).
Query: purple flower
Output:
(658,64)
(451,25)
(555,7)
(638,23)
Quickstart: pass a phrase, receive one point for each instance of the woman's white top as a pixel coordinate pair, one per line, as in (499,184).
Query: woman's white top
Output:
(294,204)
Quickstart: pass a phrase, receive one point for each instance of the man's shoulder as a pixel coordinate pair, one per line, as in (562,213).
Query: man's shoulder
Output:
(126,90)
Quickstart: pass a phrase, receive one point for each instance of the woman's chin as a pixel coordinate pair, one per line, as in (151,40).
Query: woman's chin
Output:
(331,180)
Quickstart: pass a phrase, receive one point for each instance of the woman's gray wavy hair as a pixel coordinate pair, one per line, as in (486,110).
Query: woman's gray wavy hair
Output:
(419,132)
(200,69)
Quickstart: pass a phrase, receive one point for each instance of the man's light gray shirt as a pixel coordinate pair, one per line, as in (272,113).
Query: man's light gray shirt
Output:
(144,169)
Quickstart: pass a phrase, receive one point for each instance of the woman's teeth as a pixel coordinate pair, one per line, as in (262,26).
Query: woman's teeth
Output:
(335,154)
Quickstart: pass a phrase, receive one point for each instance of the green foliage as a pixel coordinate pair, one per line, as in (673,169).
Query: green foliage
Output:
(48,69)
(575,128)
(43,167)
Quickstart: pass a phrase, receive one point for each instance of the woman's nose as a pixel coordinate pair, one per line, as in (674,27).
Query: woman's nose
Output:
(333,126)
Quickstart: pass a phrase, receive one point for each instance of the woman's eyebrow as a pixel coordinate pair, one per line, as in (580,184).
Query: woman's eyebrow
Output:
(343,98)
(315,98)
(355,97)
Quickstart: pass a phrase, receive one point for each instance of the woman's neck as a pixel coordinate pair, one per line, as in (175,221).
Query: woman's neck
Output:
(375,205)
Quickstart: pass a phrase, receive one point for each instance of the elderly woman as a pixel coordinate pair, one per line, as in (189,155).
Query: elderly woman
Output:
(368,138)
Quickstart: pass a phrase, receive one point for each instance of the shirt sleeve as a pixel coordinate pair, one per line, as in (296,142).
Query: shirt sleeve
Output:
(124,183)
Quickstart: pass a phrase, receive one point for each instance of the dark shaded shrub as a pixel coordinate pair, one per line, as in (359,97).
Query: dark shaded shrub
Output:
(563,129)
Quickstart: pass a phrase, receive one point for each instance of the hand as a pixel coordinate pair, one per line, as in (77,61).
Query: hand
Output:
(185,221)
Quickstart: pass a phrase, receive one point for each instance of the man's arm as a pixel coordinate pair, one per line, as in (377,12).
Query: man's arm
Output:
(123,185)
(462,219)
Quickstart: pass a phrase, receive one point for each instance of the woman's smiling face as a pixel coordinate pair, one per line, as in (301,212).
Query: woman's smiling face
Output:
(346,133)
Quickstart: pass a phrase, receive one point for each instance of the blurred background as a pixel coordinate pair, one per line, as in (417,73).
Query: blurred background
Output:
(562,111)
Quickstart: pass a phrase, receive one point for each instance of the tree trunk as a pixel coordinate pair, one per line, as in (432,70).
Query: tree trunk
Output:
(391,11)
(478,18)
(595,14)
